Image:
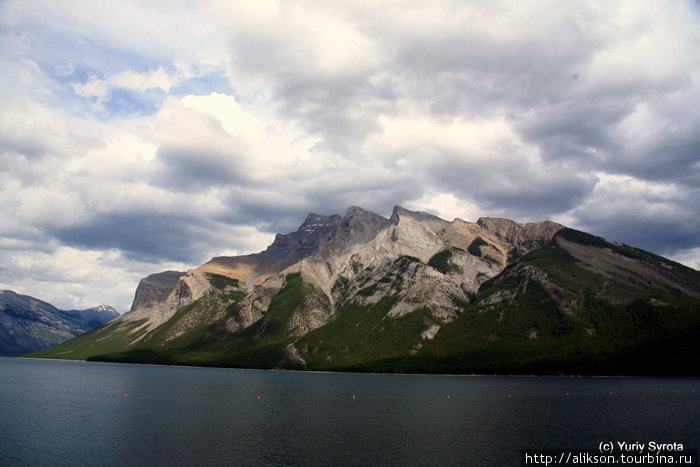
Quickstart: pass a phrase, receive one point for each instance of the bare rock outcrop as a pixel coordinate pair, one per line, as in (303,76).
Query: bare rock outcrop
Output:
(342,258)
(151,292)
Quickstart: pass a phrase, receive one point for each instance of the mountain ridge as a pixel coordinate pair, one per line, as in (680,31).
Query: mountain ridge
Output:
(365,292)
(28,324)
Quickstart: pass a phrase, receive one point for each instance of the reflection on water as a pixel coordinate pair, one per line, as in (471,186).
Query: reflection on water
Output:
(68,413)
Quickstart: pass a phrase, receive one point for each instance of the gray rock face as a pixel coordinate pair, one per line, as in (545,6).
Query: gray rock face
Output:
(358,258)
(317,236)
(28,325)
(154,289)
(293,247)
(342,256)
(525,236)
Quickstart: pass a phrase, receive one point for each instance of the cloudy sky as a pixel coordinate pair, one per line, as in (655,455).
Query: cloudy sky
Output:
(137,137)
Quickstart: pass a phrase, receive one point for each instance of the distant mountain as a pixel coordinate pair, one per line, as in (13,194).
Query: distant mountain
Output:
(416,293)
(95,316)
(28,325)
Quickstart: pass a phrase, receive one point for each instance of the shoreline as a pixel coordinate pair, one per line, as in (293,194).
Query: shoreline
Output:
(177,365)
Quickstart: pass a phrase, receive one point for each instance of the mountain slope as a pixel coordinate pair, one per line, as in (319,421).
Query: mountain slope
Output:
(28,325)
(418,293)
(579,305)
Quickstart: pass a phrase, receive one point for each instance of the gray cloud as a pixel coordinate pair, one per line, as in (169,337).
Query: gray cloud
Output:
(659,217)
(511,186)
(670,157)
(665,235)
(282,208)
(139,235)
(188,168)
(468,73)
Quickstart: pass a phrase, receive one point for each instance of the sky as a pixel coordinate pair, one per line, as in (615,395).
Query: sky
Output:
(138,137)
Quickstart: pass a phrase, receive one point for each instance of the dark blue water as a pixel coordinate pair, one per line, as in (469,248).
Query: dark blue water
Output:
(79,413)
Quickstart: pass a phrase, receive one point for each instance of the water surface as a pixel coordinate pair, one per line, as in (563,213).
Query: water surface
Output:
(90,413)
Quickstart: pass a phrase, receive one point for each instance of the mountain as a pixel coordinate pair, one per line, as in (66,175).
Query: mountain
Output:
(95,316)
(28,325)
(416,293)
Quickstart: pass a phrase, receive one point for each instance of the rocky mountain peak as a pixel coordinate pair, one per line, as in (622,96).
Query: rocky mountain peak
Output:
(358,223)
(399,212)
(529,235)
(315,222)
(355,211)
(289,248)
(105,308)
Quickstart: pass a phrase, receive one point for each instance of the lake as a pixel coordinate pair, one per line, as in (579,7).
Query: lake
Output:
(90,413)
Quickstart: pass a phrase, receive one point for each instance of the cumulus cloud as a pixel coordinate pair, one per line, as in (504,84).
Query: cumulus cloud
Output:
(28,129)
(136,138)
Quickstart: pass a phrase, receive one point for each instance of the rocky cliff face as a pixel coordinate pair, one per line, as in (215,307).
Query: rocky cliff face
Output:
(318,235)
(28,325)
(153,291)
(160,295)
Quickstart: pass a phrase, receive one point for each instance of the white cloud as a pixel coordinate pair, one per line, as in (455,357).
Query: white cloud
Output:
(153,79)
(447,206)
(64,70)
(29,128)
(209,126)
(100,90)
(236,122)
(42,205)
